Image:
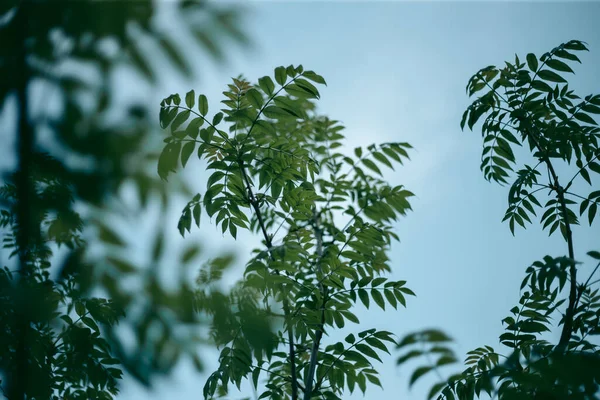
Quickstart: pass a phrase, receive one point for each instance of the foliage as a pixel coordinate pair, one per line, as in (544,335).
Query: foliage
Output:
(529,103)
(276,171)
(72,165)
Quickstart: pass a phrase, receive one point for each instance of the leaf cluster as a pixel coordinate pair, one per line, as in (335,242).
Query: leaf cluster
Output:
(529,104)
(276,171)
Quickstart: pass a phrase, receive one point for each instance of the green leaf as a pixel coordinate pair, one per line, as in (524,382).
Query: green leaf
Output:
(180,119)
(350,317)
(297,91)
(559,65)
(175,56)
(532,62)
(280,75)
(267,85)
(190,99)
(196,214)
(378,281)
(378,298)
(217,118)
(592,212)
(541,86)
(79,308)
(419,372)
(254,98)
(90,322)
(373,379)
(594,166)
(366,350)
(186,152)
(108,236)
(189,254)
(288,105)
(193,127)
(122,266)
(232,229)
(594,254)
(551,76)
(372,166)
(166,116)
(584,118)
(364,297)
(203,105)
(389,295)
(279,112)
(575,45)
(382,159)
(350,338)
(585,175)
(374,342)
(308,87)
(314,77)
(591,108)
(435,389)
(506,134)
(255,375)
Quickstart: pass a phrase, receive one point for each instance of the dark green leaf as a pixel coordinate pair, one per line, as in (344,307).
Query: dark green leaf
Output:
(378,298)
(532,62)
(79,308)
(267,85)
(594,254)
(254,98)
(419,372)
(280,75)
(217,118)
(364,297)
(180,119)
(90,322)
(366,350)
(372,166)
(584,118)
(278,112)
(551,76)
(594,166)
(559,65)
(541,86)
(314,77)
(307,86)
(190,99)
(592,212)
(575,45)
(186,152)
(374,342)
(196,214)
(203,105)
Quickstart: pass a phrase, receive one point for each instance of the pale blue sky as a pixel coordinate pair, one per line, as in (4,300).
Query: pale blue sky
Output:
(397,71)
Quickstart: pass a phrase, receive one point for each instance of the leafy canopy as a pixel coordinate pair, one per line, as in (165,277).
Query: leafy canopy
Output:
(529,104)
(275,170)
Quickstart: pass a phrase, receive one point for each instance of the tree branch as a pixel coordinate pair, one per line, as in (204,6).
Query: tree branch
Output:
(286,311)
(565,335)
(319,334)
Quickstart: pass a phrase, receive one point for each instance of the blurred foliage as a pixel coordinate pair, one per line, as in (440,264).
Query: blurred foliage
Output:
(529,103)
(276,171)
(76,150)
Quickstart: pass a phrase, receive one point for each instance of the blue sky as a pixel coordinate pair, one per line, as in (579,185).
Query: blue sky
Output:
(397,71)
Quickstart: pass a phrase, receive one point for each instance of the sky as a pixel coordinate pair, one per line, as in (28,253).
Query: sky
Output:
(397,71)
